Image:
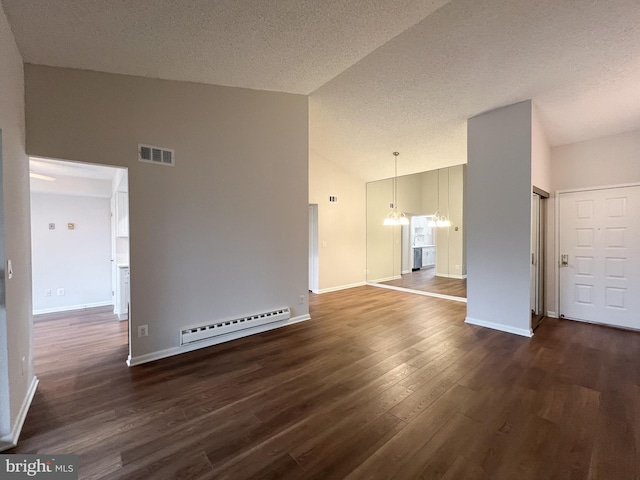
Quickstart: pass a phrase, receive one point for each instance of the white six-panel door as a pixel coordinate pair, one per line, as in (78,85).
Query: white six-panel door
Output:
(599,256)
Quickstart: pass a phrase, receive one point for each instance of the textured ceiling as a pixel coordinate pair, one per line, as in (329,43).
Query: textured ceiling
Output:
(384,75)
(578,60)
(284,45)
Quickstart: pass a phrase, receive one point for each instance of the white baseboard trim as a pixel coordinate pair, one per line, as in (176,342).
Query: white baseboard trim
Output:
(340,287)
(419,292)
(498,326)
(405,272)
(451,275)
(386,279)
(71,307)
(11,440)
(552,314)
(170,352)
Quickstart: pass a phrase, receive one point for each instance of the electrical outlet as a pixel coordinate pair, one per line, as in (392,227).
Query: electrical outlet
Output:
(301,299)
(61,292)
(47,292)
(143,331)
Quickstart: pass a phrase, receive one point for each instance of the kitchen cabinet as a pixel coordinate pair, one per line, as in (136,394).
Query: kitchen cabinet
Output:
(428,256)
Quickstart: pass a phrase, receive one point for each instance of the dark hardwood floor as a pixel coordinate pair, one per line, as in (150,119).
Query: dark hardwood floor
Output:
(425,280)
(379,384)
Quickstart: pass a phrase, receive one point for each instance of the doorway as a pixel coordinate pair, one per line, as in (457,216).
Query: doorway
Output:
(538,219)
(5,413)
(79,239)
(599,255)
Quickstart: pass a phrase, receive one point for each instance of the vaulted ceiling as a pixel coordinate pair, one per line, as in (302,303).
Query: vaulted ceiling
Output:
(382,75)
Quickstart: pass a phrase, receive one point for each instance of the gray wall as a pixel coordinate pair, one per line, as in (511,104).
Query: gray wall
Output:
(498,215)
(224,232)
(17,381)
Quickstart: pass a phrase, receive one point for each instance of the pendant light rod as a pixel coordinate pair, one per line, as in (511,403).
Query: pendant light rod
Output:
(395,180)
(440,220)
(394,217)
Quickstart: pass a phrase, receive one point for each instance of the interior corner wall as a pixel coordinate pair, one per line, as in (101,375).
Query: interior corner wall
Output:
(498,215)
(541,178)
(77,260)
(222,234)
(17,381)
(604,161)
(540,154)
(341,224)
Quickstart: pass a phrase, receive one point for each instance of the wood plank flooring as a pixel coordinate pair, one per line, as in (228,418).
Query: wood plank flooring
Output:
(378,385)
(425,280)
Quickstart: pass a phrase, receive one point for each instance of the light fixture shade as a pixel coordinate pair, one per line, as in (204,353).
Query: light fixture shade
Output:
(439,220)
(396,218)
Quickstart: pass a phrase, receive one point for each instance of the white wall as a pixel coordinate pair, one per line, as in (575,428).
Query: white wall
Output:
(341,225)
(17,382)
(88,187)
(498,216)
(383,244)
(611,160)
(77,260)
(540,154)
(541,178)
(221,234)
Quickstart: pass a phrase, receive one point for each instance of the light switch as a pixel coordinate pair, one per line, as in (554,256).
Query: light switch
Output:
(9,269)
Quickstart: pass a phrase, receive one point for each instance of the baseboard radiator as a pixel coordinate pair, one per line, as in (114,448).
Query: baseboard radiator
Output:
(203,332)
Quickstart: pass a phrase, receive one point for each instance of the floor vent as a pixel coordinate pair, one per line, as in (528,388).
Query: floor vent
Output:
(197,334)
(156,155)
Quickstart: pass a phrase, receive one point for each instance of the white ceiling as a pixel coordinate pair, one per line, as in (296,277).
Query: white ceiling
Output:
(57,168)
(72,178)
(383,75)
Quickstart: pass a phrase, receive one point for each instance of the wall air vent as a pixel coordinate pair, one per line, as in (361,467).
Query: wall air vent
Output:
(156,155)
(203,332)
